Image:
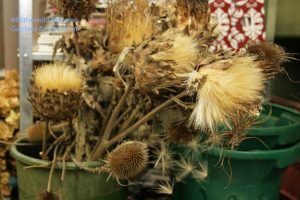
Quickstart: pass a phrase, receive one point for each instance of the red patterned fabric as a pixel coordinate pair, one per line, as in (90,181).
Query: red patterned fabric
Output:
(240,21)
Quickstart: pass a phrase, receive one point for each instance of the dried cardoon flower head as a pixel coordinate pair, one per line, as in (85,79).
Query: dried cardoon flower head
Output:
(36,131)
(160,64)
(224,88)
(55,91)
(75,9)
(127,160)
(128,23)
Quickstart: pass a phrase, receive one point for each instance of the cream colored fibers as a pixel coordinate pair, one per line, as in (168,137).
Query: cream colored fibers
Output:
(59,77)
(223,92)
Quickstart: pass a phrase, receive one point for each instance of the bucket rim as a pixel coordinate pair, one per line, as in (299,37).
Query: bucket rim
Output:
(30,161)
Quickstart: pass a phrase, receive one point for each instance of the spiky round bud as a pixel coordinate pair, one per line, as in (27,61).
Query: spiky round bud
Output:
(36,131)
(128,160)
(55,91)
(78,9)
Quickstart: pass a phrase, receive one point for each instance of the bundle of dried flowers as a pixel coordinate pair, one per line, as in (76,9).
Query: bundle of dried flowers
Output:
(9,125)
(149,78)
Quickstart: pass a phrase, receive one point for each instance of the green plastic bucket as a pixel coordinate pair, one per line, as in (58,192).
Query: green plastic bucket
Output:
(244,175)
(280,128)
(77,185)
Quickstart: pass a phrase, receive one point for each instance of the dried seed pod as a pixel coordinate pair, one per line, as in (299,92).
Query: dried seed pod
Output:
(48,196)
(127,160)
(55,91)
(36,131)
(78,9)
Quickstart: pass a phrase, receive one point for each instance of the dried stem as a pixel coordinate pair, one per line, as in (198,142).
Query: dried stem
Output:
(109,127)
(59,139)
(130,119)
(67,152)
(76,40)
(52,170)
(45,135)
(143,120)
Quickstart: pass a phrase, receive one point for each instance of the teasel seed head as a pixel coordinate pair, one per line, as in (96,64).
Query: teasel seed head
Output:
(55,91)
(36,131)
(127,160)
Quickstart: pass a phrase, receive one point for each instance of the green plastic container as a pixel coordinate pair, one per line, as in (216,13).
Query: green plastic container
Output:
(77,185)
(244,175)
(279,130)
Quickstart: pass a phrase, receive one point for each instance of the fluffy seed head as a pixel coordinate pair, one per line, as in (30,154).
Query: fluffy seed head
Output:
(221,93)
(59,77)
(36,131)
(127,160)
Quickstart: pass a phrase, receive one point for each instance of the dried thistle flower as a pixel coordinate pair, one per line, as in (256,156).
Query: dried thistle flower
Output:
(36,131)
(55,91)
(164,158)
(223,88)
(184,51)
(128,24)
(75,9)
(127,160)
(186,167)
(160,64)
(165,187)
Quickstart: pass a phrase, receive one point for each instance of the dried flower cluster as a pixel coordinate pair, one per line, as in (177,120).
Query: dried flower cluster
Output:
(9,124)
(74,9)
(150,72)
